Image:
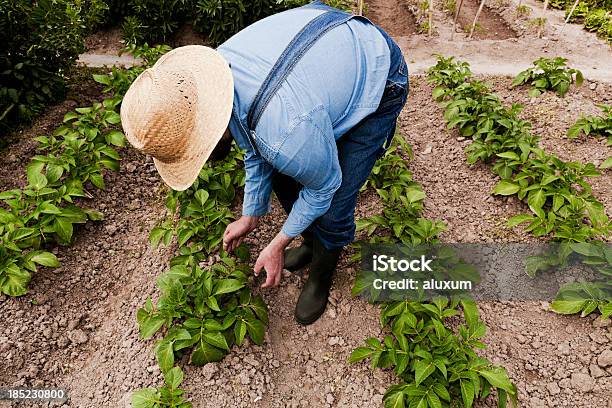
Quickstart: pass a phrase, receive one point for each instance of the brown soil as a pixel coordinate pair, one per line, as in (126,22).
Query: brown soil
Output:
(490,25)
(76,328)
(105,42)
(393,16)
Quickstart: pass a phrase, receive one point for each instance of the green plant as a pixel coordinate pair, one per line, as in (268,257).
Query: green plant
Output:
(155,20)
(582,297)
(70,160)
(40,42)
(43,212)
(556,192)
(206,311)
(346,5)
(549,74)
(450,6)
(596,19)
(169,396)
(596,125)
(220,20)
(579,13)
(437,367)
(402,198)
(523,10)
(203,208)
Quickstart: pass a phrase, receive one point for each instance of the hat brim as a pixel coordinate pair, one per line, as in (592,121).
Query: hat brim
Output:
(215,90)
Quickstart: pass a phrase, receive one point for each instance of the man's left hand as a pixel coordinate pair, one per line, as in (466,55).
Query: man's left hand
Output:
(272,260)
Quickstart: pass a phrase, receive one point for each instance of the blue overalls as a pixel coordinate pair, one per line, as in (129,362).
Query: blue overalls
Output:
(358,149)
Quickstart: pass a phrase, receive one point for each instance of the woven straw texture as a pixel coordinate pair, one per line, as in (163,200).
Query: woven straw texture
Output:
(177,111)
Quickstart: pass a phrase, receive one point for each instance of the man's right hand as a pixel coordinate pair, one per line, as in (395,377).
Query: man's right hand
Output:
(237,230)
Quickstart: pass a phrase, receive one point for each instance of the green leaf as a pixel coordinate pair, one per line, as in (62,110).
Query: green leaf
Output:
(45,259)
(422,370)
(216,339)
(470,312)
(145,398)
(148,324)
(201,196)
(606,164)
(509,155)
(15,282)
(165,355)
(536,200)
(240,331)
(173,378)
(414,195)
(156,235)
(433,401)
(256,330)
(102,79)
(519,219)
(498,378)
(394,398)
(506,188)
(568,306)
(227,286)
(360,353)
(63,228)
(115,138)
(467,392)
(205,353)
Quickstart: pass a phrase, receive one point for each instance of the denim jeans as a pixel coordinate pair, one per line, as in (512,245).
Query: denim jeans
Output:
(358,150)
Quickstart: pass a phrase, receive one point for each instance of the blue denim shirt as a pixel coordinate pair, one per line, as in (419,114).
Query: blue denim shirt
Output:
(337,83)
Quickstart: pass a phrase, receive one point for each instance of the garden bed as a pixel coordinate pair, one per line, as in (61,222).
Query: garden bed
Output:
(77,325)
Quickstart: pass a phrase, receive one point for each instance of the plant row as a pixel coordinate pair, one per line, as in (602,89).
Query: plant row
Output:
(71,162)
(436,366)
(557,192)
(593,14)
(204,308)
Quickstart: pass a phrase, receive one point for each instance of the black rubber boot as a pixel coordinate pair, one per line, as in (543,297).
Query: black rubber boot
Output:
(299,257)
(313,299)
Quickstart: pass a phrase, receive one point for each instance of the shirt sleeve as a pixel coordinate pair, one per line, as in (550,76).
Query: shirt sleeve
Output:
(309,156)
(257,185)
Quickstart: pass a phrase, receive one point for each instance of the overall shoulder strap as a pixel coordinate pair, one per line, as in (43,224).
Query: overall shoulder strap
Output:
(285,63)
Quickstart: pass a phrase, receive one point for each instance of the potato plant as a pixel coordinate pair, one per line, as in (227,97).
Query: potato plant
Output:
(168,396)
(70,162)
(205,310)
(549,74)
(584,297)
(44,212)
(438,368)
(557,192)
(203,209)
(402,199)
(202,311)
(594,125)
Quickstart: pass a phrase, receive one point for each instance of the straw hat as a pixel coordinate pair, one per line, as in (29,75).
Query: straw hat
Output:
(178,110)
